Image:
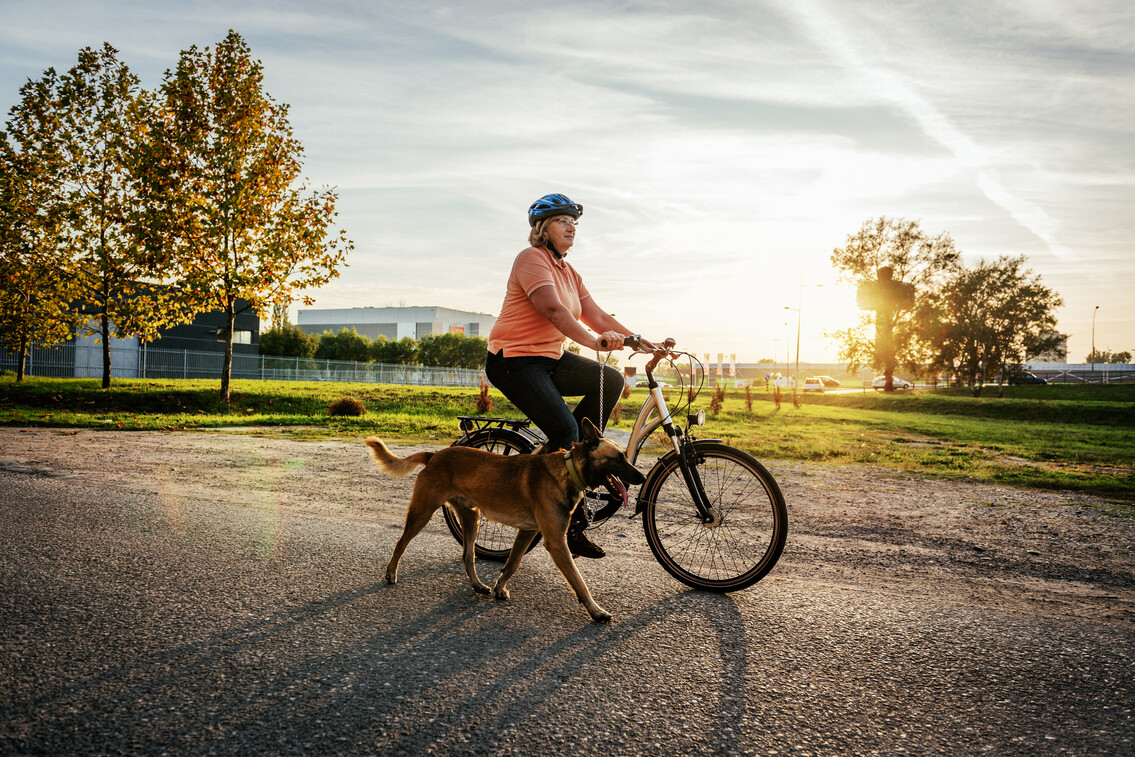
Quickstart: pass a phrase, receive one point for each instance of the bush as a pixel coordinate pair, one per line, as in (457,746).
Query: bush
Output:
(484,401)
(346,406)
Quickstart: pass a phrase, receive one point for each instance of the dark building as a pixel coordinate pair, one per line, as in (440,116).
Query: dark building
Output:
(188,350)
(206,333)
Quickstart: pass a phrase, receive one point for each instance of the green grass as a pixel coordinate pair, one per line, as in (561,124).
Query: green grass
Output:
(1058,437)
(1077,438)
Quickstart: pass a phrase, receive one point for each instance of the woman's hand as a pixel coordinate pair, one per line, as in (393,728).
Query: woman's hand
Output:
(610,341)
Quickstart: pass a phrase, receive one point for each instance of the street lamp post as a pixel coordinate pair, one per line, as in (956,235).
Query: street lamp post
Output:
(1093,357)
(799,309)
(797,343)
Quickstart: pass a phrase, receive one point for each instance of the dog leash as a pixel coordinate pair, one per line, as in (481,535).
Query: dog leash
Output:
(602,375)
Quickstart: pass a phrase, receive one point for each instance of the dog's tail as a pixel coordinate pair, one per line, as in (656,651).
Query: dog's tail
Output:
(391,464)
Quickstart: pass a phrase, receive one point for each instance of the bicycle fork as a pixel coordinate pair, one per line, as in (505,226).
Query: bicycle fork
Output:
(687,461)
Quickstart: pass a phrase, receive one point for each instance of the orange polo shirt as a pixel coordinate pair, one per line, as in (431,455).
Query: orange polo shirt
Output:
(520,329)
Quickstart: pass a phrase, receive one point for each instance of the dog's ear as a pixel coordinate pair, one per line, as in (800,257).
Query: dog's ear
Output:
(591,434)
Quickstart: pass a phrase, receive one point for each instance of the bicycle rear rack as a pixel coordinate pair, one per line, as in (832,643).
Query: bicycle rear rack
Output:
(471,423)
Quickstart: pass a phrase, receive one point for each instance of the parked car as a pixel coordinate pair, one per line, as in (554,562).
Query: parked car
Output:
(813,384)
(829,382)
(1024,377)
(880,382)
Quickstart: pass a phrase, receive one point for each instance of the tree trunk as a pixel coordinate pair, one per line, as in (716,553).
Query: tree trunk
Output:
(21,359)
(227,366)
(885,345)
(104,329)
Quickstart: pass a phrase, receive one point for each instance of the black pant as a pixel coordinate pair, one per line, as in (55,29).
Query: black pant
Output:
(537,386)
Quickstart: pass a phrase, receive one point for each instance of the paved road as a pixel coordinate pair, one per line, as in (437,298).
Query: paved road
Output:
(134,623)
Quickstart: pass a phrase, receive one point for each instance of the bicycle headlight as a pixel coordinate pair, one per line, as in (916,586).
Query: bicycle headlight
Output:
(698,418)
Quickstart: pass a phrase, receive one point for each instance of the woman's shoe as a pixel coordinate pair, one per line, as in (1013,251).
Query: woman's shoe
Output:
(578,543)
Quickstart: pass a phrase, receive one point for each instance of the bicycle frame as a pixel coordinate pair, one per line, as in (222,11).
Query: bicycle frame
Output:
(654,414)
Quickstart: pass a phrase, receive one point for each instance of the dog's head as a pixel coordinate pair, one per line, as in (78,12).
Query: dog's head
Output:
(605,463)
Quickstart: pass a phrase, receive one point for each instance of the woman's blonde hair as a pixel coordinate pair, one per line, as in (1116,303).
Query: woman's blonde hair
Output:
(538,235)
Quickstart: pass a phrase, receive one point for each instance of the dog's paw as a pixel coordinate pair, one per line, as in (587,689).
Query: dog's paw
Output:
(600,615)
(481,588)
(501,592)
(391,578)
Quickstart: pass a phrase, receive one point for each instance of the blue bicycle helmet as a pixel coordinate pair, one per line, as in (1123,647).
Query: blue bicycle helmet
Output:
(553,205)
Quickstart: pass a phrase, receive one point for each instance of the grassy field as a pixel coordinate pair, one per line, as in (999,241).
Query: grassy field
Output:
(1059,437)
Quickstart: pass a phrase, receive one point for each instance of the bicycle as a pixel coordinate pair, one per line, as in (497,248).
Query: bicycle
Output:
(714,517)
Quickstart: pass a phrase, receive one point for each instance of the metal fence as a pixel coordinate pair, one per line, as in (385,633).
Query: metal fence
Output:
(85,361)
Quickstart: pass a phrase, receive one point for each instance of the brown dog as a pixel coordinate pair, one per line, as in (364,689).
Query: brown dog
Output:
(531,493)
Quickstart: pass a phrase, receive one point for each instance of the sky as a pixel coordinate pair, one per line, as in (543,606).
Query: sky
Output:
(721,150)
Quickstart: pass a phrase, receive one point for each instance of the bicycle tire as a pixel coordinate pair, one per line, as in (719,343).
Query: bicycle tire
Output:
(494,541)
(748,536)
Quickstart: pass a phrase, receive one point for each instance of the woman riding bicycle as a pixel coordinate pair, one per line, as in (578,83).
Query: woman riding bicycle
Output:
(546,303)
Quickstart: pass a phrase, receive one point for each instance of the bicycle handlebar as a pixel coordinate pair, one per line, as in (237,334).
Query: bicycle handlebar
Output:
(638,344)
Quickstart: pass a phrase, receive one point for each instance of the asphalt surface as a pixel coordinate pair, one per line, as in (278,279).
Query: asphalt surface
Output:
(132,626)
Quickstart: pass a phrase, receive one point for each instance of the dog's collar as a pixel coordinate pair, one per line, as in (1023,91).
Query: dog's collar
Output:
(574,472)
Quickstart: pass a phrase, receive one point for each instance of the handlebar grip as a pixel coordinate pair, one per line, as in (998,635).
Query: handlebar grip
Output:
(635,342)
(630,340)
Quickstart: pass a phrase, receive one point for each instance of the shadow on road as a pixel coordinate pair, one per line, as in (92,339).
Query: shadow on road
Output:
(455,675)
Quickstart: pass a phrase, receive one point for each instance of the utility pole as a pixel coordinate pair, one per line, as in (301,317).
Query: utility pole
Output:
(1092,359)
(799,312)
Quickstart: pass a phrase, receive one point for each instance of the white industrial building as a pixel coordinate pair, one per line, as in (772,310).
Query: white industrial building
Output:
(396,323)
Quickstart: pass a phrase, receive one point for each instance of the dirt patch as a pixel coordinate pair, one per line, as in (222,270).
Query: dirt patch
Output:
(867,528)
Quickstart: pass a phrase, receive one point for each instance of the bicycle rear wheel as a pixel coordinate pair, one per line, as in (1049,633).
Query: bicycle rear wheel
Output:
(494,541)
(750,519)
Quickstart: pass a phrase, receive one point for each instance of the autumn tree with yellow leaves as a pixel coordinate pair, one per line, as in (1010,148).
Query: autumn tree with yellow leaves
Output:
(221,183)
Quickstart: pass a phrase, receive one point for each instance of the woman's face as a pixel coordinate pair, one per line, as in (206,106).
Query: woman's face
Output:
(561,232)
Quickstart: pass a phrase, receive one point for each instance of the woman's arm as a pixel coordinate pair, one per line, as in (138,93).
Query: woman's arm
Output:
(602,321)
(547,303)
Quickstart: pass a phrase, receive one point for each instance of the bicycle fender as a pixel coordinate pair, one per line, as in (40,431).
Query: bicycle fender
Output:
(656,471)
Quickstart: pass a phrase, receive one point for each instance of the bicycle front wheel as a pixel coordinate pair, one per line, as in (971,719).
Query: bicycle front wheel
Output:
(750,519)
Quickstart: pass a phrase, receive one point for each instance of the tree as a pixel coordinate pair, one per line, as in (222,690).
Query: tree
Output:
(35,290)
(92,118)
(452,350)
(285,340)
(892,261)
(404,351)
(347,345)
(280,314)
(222,168)
(472,351)
(986,319)
(1107,356)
